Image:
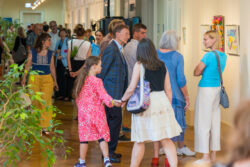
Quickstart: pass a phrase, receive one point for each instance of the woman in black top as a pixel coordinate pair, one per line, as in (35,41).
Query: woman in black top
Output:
(158,122)
(20,39)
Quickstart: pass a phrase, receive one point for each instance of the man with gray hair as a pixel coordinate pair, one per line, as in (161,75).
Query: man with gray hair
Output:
(54,35)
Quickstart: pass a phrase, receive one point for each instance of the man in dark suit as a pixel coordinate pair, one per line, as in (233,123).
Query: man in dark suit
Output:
(115,78)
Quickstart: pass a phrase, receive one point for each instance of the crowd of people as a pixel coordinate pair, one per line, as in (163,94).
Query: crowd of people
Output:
(102,72)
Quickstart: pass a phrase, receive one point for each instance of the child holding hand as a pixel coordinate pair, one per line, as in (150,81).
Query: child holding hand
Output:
(92,122)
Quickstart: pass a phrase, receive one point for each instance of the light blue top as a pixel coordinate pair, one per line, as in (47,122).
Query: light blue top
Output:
(175,66)
(210,76)
(64,51)
(95,49)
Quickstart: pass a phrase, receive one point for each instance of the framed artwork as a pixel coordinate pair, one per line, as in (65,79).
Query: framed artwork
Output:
(203,29)
(218,24)
(232,39)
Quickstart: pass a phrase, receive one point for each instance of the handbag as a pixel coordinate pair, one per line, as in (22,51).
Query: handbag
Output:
(223,94)
(21,54)
(140,100)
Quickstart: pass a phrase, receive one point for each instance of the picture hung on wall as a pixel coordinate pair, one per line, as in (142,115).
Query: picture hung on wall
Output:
(218,24)
(232,39)
(203,29)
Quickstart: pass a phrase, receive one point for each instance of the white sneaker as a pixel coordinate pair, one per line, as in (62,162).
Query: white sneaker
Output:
(202,162)
(161,151)
(185,151)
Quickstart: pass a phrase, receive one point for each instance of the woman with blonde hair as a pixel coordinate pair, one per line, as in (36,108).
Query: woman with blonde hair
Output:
(207,108)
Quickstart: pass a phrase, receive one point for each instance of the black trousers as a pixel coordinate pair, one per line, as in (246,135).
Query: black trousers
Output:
(114,119)
(75,65)
(62,80)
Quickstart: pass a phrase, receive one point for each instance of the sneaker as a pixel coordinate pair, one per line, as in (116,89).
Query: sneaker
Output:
(202,162)
(80,165)
(107,163)
(185,151)
(161,151)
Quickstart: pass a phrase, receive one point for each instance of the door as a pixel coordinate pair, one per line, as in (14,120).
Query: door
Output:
(167,16)
(30,18)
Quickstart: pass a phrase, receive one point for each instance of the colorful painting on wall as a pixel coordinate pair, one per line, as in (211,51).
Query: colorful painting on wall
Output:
(218,24)
(232,39)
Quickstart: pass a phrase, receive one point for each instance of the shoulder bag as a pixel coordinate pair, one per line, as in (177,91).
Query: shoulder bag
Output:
(223,94)
(21,54)
(140,100)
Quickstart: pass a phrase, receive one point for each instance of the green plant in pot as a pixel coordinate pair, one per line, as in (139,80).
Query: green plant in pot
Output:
(20,123)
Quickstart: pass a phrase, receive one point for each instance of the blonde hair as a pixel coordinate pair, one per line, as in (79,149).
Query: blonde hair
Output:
(239,142)
(214,34)
(113,24)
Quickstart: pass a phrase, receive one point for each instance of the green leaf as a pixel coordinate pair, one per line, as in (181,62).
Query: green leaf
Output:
(23,116)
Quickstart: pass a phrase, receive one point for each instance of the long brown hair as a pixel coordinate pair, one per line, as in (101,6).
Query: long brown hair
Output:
(240,138)
(39,41)
(84,72)
(147,55)
(20,32)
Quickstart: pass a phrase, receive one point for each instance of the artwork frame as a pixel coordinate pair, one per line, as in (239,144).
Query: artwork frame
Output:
(203,29)
(232,40)
(218,25)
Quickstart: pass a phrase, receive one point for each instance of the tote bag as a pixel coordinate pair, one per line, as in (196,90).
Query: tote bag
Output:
(140,100)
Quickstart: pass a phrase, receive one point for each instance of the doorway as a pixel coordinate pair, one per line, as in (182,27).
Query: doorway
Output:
(167,16)
(28,18)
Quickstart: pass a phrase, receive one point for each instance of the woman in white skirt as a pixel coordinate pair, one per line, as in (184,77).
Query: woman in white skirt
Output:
(207,108)
(158,122)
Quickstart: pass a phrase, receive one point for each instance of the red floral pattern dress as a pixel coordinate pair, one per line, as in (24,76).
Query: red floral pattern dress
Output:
(92,121)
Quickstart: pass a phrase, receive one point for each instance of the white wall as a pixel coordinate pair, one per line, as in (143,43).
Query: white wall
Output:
(89,10)
(52,9)
(195,13)
(245,48)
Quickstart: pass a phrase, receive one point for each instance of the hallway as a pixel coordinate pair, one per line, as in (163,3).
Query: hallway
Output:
(69,125)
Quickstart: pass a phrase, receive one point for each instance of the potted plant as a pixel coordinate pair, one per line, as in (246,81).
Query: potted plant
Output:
(20,122)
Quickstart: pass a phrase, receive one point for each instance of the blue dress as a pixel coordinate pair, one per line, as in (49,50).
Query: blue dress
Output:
(175,65)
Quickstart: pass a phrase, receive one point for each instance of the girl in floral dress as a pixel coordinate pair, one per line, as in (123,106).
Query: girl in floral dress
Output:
(92,122)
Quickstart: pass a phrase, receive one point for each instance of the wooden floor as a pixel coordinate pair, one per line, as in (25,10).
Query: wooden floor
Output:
(94,154)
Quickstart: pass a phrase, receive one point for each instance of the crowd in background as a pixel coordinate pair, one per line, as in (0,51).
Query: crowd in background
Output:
(109,66)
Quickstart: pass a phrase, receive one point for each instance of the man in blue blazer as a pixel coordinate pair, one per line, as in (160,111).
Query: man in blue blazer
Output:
(115,79)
